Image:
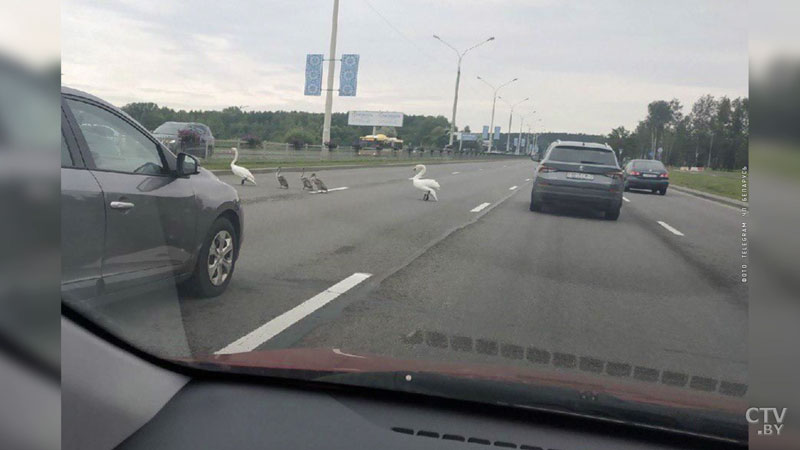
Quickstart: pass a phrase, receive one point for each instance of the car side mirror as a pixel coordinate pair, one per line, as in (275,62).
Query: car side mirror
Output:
(535,157)
(187,165)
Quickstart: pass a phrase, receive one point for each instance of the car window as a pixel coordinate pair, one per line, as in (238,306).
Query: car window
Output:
(114,143)
(648,165)
(582,155)
(66,157)
(170,128)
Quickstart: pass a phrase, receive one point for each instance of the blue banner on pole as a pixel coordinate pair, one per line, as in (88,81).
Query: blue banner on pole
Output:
(496,133)
(485,135)
(313,75)
(348,77)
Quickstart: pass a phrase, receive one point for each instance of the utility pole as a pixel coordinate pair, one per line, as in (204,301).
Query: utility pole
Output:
(326,126)
(711,146)
(494,104)
(458,79)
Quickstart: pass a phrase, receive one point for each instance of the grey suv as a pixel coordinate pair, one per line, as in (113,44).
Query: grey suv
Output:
(579,172)
(133,214)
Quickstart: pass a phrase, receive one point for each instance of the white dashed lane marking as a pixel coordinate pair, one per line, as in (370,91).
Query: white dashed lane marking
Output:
(480,207)
(269,330)
(626,199)
(512,188)
(330,190)
(670,228)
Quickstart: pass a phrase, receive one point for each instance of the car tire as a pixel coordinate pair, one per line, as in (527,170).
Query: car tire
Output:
(536,205)
(662,191)
(203,283)
(626,188)
(613,214)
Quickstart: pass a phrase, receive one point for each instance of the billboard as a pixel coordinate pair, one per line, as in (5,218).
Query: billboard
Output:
(496,133)
(485,134)
(348,77)
(313,75)
(375,118)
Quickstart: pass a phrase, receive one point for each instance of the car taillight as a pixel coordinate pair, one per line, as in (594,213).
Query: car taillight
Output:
(663,175)
(635,173)
(546,169)
(617,175)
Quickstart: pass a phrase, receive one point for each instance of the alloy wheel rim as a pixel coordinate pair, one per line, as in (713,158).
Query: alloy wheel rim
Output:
(220,258)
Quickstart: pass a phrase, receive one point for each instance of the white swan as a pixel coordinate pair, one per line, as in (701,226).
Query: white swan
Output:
(240,171)
(428,186)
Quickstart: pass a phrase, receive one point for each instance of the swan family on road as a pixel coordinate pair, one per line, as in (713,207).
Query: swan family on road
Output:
(427,185)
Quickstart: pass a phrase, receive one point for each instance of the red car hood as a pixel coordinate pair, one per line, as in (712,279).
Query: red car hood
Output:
(338,361)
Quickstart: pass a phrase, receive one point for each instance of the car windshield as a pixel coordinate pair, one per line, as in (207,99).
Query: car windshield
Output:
(648,165)
(583,155)
(171,128)
(374,202)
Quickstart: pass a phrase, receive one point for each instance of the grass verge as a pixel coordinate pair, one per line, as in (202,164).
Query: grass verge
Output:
(726,184)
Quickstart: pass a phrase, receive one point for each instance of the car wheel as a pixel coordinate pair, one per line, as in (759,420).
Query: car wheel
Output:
(216,262)
(626,188)
(613,214)
(536,205)
(653,191)
(662,191)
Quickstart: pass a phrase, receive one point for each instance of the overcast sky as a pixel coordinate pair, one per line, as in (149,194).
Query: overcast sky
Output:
(587,66)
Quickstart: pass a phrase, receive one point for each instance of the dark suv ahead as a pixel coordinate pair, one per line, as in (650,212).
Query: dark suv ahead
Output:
(189,137)
(578,172)
(133,214)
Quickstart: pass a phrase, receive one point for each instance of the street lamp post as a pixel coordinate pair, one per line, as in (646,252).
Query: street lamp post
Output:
(494,104)
(510,116)
(458,78)
(519,139)
(326,124)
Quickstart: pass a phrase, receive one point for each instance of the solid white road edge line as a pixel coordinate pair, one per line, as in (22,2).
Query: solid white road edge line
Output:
(330,190)
(480,207)
(626,199)
(512,188)
(670,228)
(252,340)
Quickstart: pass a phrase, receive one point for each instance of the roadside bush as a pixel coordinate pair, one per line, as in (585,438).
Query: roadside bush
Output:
(298,138)
(251,141)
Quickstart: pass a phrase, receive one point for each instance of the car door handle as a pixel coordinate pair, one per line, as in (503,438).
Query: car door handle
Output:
(122,205)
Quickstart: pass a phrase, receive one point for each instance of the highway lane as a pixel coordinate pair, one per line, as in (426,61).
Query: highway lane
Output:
(565,282)
(298,244)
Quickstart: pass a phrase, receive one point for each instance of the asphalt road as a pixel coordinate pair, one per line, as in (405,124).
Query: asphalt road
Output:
(452,281)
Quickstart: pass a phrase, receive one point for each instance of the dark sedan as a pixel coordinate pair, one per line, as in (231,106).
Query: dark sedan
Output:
(646,174)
